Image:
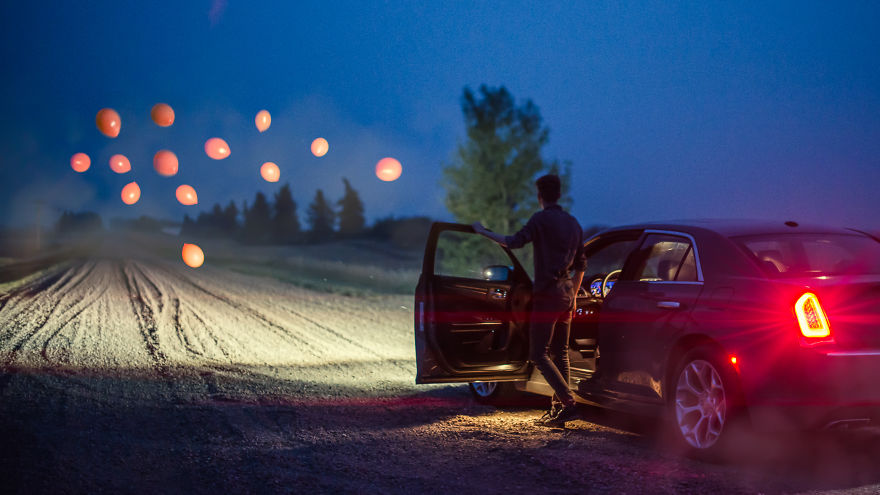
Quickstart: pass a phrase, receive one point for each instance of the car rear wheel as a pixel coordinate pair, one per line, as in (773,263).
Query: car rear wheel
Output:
(705,402)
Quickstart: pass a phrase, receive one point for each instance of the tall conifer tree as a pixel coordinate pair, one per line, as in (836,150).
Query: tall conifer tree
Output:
(320,218)
(351,211)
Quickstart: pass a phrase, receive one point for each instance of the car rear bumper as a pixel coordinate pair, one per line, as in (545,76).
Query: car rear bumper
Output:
(813,388)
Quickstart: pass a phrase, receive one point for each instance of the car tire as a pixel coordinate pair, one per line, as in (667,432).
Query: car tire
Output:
(492,392)
(705,405)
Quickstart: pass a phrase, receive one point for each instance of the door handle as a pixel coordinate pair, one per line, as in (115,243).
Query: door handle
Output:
(668,304)
(498,294)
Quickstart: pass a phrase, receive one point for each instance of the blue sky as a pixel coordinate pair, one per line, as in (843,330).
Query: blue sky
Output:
(665,109)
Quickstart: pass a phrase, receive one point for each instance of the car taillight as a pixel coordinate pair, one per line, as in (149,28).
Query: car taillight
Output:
(811,317)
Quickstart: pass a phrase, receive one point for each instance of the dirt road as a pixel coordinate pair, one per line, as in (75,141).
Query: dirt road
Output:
(137,375)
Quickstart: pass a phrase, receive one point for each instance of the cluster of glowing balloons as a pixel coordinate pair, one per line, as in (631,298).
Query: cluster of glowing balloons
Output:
(120,164)
(320,147)
(388,169)
(131,193)
(165,162)
(216,148)
(263,120)
(192,255)
(80,162)
(108,122)
(162,114)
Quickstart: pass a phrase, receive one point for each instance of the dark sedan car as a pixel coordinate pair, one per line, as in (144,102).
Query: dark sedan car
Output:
(698,322)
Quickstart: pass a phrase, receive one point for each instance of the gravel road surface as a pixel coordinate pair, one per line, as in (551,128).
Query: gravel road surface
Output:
(127,375)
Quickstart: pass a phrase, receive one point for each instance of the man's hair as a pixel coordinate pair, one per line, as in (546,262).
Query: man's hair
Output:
(550,187)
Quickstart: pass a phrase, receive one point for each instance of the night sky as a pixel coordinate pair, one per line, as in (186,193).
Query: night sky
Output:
(665,110)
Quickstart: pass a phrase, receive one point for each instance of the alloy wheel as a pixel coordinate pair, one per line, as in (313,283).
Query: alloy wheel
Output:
(484,389)
(700,404)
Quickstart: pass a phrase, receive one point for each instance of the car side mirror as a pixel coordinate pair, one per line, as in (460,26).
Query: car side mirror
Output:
(497,273)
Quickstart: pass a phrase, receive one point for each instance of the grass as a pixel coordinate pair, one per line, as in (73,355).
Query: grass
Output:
(334,277)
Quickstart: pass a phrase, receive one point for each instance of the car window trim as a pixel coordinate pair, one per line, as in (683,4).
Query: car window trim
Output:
(700,280)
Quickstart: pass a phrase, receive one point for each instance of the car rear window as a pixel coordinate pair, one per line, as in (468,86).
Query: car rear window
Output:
(811,255)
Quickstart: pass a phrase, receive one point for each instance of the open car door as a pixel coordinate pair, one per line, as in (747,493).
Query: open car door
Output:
(471,309)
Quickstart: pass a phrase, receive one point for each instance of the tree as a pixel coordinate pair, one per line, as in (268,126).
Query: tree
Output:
(491,178)
(351,211)
(285,222)
(230,219)
(320,218)
(188,227)
(492,175)
(257,222)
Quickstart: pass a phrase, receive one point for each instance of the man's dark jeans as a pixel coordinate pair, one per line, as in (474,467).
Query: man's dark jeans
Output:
(548,335)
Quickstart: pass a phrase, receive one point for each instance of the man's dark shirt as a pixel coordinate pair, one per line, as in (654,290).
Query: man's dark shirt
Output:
(559,246)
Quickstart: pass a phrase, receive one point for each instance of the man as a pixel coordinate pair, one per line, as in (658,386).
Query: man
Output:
(558,241)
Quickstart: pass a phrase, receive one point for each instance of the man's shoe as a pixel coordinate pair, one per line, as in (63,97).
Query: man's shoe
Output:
(549,414)
(567,413)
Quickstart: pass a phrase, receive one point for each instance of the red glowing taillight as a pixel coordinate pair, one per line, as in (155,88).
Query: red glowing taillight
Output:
(811,317)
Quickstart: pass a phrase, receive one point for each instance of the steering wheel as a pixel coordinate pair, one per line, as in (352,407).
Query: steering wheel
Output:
(611,277)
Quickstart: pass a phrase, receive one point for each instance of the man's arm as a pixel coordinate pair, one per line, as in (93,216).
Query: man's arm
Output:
(478,228)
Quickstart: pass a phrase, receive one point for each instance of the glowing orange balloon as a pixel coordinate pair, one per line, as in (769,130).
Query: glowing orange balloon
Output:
(186,195)
(119,164)
(263,120)
(216,148)
(131,193)
(108,122)
(193,255)
(320,147)
(270,172)
(388,169)
(165,163)
(162,114)
(80,162)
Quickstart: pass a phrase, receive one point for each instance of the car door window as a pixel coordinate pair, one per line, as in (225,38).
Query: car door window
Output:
(669,258)
(604,259)
(466,255)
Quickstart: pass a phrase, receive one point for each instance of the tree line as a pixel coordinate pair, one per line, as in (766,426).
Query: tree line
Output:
(264,221)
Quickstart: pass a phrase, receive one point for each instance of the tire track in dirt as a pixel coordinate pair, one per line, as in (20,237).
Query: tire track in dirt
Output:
(298,315)
(37,288)
(55,294)
(95,290)
(209,333)
(145,318)
(275,327)
(67,319)
(182,336)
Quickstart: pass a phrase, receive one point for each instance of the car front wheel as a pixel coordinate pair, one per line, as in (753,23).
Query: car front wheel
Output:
(491,392)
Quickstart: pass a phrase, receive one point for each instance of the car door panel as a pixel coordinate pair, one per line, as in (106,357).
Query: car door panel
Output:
(468,328)
(645,314)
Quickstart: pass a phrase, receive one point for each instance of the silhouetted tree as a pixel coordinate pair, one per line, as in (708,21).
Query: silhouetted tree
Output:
(351,211)
(320,218)
(491,178)
(285,222)
(257,222)
(229,220)
(407,232)
(188,227)
(86,221)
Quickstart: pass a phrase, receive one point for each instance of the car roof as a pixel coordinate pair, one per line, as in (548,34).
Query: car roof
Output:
(738,227)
